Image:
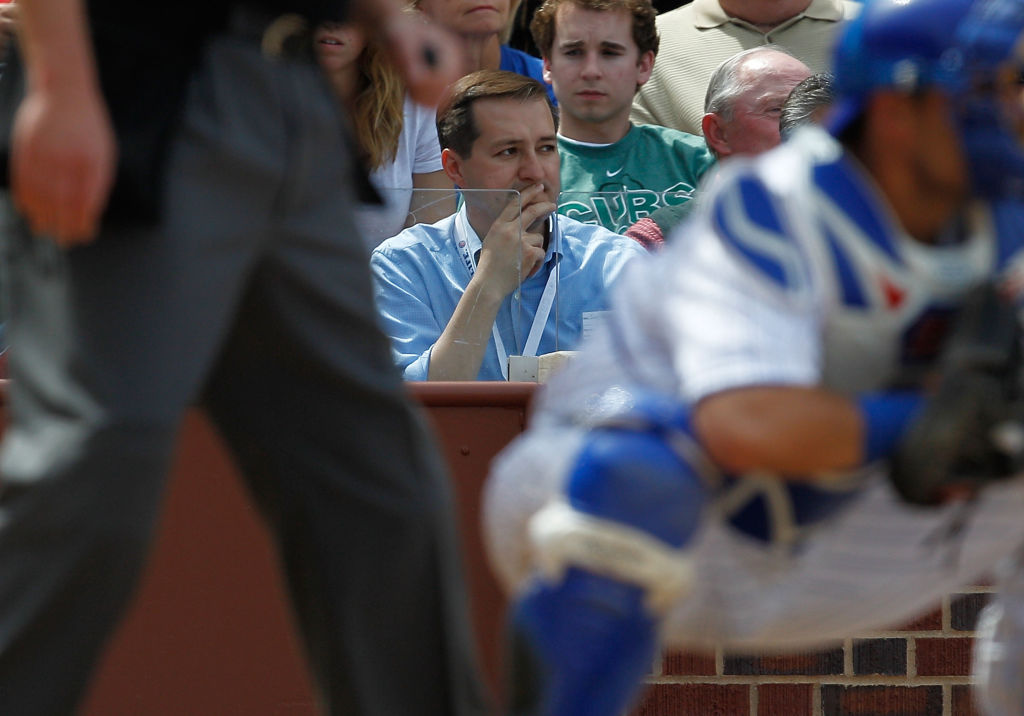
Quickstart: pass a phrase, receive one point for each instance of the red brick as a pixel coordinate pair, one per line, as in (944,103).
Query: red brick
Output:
(809,664)
(881,700)
(962,703)
(688,663)
(944,657)
(785,700)
(695,699)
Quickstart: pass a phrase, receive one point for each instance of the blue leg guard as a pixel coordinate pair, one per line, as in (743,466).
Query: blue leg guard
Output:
(582,644)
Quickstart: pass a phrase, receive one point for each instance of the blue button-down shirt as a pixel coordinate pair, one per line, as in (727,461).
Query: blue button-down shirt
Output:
(421,274)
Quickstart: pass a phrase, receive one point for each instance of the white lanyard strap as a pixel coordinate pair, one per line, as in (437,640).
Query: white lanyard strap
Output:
(540,319)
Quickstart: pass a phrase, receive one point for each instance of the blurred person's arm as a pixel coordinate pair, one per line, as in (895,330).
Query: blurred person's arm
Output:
(798,431)
(8,23)
(63,150)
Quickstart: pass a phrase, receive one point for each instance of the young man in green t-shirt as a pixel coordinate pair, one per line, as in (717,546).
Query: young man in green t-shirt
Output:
(597,54)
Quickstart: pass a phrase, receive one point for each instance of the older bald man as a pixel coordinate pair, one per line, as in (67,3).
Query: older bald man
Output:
(697,38)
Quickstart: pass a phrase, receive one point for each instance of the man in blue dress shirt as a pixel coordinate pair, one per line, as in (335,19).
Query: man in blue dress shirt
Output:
(505,275)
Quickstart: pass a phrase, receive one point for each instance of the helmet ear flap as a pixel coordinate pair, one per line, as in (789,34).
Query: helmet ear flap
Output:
(893,44)
(994,153)
(960,47)
(990,113)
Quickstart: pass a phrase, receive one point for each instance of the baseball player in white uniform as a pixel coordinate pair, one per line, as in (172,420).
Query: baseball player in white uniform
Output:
(725,461)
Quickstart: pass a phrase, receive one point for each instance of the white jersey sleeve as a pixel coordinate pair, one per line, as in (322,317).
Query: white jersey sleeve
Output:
(741,306)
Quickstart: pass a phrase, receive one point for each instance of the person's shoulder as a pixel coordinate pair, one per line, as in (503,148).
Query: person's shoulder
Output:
(414,112)
(833,10)
(673,139)
(518,61)
(678,18)
(850,8)
(575,149)
(673,148)
(567,146)
(667,218)
(591,238)
(419,239)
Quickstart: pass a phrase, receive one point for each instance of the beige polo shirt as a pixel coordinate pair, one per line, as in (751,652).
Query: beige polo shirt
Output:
(697,38)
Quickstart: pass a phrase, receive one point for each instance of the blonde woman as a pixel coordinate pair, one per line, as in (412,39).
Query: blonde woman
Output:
(397,137)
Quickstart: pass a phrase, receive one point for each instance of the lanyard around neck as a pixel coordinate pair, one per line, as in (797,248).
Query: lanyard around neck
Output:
(547,298)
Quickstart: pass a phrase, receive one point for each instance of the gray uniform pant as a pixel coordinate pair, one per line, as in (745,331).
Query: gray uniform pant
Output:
(253,295)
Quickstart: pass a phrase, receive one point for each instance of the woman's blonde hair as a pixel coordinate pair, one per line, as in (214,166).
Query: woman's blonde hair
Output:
(377,107)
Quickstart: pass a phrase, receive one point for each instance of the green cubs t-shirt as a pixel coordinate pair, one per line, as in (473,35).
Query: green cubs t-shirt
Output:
(614,185)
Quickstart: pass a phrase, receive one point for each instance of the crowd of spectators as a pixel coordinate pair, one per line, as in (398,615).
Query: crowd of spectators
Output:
(650,95)
(460,296)
(699,36)
(645,106)
(647,97)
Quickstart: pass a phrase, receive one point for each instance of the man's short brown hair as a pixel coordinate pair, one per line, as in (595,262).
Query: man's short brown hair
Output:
(456,127)
(645,32)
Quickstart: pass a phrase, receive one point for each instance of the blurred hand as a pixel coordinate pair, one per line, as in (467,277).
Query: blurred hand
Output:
(63,160)
(427,56)
(9,13)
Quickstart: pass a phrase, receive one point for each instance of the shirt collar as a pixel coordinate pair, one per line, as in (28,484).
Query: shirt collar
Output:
(709,13)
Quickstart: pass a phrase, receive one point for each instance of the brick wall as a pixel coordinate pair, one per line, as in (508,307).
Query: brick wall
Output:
(918,669)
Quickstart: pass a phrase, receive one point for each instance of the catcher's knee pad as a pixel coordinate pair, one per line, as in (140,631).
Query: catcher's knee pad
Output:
(631,504)
(611,561)
(637,479)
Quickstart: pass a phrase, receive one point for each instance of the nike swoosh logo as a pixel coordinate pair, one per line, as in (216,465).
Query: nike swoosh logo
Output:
(611,173)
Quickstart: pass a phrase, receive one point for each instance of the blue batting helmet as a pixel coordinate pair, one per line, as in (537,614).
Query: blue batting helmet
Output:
(969,49)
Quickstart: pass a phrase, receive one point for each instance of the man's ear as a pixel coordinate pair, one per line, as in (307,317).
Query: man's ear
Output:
(451,162)
(644,66)
(714,135)
(547,69)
